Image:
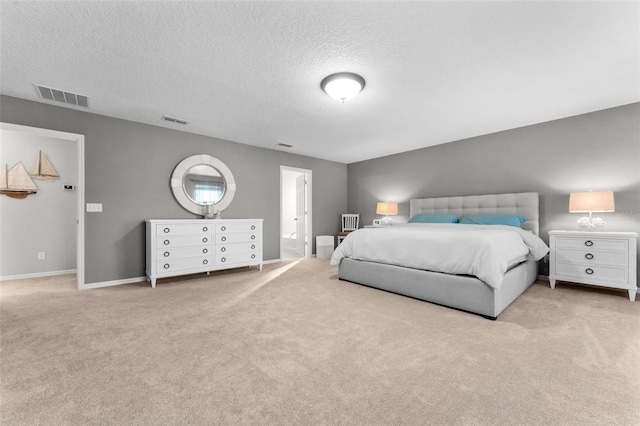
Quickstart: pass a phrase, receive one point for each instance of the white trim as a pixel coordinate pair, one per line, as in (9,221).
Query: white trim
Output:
(309,177)
(37,275)
(79,139)
(144,279)
(114,283)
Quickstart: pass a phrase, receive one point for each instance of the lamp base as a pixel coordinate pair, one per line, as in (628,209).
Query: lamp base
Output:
(387,221)
(591,224)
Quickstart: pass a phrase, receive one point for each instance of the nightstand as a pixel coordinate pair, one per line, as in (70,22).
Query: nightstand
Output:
(606,259)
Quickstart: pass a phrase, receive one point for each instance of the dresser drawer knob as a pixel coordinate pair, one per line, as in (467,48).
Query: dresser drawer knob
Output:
(205,239)
(588,243)
(224,228)
(224,259)
(166,254)
(253,256)
(224,238)
(588,256)
(223,249)
(253,246)
(205,229)
(589,271)
(205,261)
(166,230)
(253,237)
(253,227)
(205,251)
(167,242)
(166,266)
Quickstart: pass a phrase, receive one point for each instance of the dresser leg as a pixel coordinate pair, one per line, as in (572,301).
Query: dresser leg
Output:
(153,283)
(552,282)
(632,295)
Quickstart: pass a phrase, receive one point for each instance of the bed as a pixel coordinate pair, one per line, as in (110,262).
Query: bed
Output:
(462,291)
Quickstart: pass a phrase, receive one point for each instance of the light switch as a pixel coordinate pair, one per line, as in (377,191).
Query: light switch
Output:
(94,207)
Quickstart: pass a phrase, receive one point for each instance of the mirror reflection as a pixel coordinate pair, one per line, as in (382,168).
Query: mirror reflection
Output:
(204,184)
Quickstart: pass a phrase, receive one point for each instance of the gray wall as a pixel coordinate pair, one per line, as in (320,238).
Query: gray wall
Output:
(128,167)
(42,222)
(595,151)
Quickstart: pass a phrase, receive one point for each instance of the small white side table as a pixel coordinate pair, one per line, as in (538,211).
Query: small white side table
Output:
(606,259)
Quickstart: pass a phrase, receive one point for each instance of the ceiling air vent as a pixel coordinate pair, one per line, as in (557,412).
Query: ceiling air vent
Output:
(174,120)
(62,96)
(285,145)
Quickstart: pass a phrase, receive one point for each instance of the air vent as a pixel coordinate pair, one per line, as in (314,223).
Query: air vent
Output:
(174,120)
(62,96)
(285,145)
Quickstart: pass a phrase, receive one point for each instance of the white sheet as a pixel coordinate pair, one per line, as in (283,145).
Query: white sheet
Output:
(484,251)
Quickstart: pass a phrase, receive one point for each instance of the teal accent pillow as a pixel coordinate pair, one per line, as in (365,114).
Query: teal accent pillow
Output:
(495,219)
(434,218)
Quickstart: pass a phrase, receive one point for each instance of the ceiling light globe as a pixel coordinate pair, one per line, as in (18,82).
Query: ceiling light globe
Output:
(342,86)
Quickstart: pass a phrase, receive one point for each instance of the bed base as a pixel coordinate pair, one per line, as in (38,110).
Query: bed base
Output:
(460,292)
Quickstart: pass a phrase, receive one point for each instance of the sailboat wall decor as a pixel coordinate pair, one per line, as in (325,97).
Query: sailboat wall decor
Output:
(16,183)
(43,170)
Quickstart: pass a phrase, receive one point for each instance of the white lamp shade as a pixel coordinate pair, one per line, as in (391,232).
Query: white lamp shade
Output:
(592,201)
(387,208)
(342,86)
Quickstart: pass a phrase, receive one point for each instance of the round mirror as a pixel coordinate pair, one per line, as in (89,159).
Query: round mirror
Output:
(203,184)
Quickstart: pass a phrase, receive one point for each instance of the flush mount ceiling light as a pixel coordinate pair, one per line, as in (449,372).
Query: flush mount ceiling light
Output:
(342,86)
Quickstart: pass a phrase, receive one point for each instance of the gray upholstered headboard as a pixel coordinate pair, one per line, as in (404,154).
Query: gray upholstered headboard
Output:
(523,204)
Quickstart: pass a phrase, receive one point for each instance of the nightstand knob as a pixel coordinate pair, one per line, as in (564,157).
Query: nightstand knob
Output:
(589,271)
(588,256)
(588,243)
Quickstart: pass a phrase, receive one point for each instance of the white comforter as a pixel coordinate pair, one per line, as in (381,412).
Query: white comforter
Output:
(484,251)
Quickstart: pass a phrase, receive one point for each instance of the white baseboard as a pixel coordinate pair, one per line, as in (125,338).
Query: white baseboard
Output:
(114,282)
(139,279)
(38,275)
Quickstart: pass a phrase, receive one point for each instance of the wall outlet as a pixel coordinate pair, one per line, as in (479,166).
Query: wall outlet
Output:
(41,255)
(94,207)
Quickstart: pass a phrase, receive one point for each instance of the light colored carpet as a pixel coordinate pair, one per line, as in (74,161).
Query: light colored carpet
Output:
(294,345)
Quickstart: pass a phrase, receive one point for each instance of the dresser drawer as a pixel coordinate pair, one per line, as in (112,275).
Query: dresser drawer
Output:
(593,257)
(593,273)
(247,257)
(183,229)
(169,267)
(183,241)
(592,243)
(239,237)
(238,248)
(237,227)
(183,252)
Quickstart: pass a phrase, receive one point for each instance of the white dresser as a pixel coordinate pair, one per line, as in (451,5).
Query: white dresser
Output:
(188,246)
(606,259)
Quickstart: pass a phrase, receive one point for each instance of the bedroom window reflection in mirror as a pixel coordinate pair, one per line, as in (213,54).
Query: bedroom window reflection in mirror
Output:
(204,184)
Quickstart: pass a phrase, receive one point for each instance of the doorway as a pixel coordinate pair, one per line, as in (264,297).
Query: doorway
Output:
(16,132)
(295,212)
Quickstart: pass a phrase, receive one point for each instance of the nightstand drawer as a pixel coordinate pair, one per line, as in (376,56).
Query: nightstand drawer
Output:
(591,273)
(592,243)
(593,257)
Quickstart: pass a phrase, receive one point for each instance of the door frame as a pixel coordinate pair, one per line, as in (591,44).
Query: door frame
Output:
(309,207)
(79,140)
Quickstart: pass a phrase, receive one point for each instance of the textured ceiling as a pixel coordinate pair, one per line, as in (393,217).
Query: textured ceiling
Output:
(250,72)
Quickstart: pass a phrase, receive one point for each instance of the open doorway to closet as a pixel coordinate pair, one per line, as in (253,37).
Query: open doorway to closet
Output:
(43,234)
(295,213)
